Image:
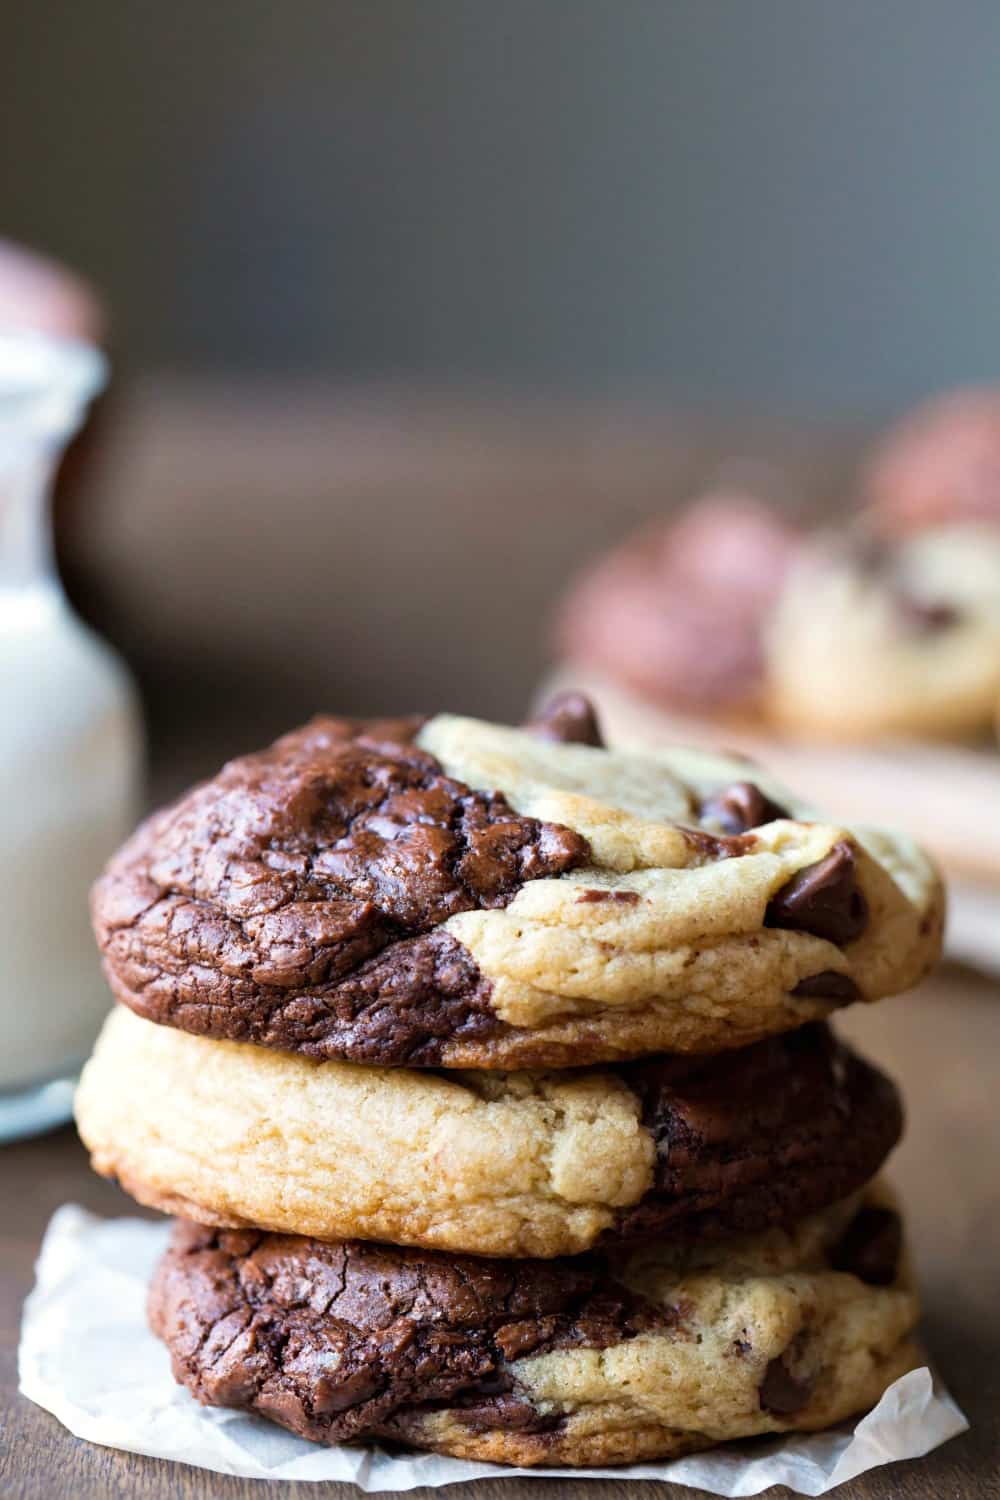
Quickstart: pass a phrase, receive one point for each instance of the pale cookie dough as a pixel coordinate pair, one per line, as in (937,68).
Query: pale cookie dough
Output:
(452,893)
(671,940)
(575,1362)
(538,1164)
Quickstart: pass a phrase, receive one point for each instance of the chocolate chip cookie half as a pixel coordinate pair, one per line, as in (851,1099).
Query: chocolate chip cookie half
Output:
(588,1361)
(539,1164)
(451,893)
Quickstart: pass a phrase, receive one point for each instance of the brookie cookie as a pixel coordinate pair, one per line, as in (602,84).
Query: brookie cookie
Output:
(574,1362)
(678,609)
(451,893)
(939,465)
(539,1164)
(873,640)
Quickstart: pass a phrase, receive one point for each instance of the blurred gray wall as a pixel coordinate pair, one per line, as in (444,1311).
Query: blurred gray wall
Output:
(792,202)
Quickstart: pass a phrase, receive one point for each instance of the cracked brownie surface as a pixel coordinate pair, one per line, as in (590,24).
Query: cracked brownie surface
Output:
(597,1359)
(451,893)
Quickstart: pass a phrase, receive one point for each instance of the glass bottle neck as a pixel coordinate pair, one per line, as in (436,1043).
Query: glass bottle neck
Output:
(46,385)
(26,555)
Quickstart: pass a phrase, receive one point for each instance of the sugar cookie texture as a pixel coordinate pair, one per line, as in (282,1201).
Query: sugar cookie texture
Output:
(538,1164)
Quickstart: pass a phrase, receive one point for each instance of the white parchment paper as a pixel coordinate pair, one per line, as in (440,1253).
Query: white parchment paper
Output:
(87,1356)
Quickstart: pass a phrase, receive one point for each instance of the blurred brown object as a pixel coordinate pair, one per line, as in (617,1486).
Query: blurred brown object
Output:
(264,548)
(940,463)
(678,610)
(865,632)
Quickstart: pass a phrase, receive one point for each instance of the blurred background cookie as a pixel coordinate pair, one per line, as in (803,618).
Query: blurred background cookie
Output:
(871,640)
(678,610)
(939,464)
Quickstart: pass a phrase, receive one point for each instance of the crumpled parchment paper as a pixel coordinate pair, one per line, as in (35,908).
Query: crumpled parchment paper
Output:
(87,1356)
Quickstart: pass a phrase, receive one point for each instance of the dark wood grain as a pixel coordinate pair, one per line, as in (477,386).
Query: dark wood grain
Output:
(942,1043)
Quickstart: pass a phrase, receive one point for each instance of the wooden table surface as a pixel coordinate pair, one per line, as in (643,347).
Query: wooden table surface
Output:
(942,1043)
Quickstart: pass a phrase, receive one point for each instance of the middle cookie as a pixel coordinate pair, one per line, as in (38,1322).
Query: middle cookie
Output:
(512,1164)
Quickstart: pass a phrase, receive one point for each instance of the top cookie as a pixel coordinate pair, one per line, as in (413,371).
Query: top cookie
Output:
(450,893)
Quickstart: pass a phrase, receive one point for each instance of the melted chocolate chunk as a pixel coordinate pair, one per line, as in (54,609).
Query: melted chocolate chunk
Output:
(591,897)
(507,1411)
(876,558)
(871,1246)
(782,1393)
(718,846)
(925,617)
(829,985)
(823,899)
(740,807)
(295,899)
(569,718)
(335,1341)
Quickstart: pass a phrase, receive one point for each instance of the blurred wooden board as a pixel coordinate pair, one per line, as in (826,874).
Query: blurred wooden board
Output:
(947,797)
(261,548)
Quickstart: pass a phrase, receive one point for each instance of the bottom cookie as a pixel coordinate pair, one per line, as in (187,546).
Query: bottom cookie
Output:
(584,1361)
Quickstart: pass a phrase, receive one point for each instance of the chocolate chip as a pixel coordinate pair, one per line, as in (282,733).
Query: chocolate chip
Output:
(718,845)
(507,1411)
(624,898)
(840,988)
(781,1392)
(338,1392)
(740,806)
(515,1340)
(823,899)
(924,617)
(871,1246)
(569,719)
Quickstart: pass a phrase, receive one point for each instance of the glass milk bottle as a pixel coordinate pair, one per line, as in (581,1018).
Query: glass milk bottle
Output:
(70,749)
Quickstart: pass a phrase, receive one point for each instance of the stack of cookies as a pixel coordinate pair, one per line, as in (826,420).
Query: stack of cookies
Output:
(488,1074)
